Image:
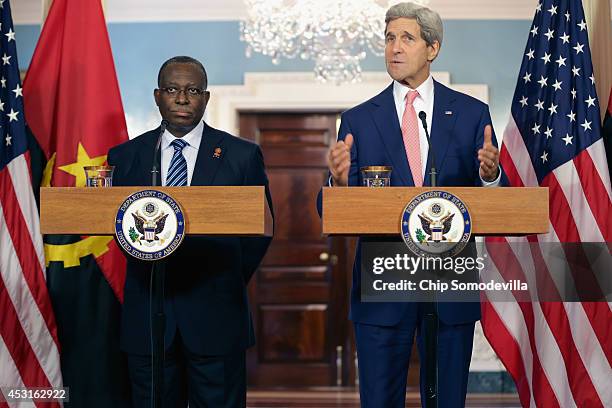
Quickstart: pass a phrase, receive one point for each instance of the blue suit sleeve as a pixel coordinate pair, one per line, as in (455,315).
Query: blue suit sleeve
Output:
(345,129)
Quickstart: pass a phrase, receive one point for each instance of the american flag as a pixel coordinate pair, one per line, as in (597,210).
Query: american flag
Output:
(559,354)
(29,352)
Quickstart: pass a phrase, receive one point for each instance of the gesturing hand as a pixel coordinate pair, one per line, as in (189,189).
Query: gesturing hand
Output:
(339,161)
(488,157)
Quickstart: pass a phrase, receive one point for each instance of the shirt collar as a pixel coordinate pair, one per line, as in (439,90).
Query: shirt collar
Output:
(425,91)
(193,138)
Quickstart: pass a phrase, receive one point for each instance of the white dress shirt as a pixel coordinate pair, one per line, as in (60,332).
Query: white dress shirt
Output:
(424,102)
(190,152)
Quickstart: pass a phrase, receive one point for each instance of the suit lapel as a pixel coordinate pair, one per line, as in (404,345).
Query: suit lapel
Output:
(141,170)
(385,118)
(443,122)
(210,156)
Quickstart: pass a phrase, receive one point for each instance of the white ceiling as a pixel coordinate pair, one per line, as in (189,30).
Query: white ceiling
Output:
(29,11)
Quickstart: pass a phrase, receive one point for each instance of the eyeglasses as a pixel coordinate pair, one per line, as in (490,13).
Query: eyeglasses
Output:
(192,91)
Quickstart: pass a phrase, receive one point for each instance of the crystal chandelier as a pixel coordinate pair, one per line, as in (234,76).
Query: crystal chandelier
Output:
(334,33)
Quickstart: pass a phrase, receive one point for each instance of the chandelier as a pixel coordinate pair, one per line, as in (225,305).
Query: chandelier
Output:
(334,33)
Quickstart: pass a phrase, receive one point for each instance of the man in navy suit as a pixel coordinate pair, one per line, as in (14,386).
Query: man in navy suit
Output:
(208,323)
(385,130)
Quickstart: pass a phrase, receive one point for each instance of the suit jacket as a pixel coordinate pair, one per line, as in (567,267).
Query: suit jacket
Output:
(457,133)
(206,278)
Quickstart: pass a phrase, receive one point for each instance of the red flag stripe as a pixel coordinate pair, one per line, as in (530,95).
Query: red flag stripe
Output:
(25,197)
(18,345)
(518,156)
(567,232)
(593,189)
(580,383)
(580,214)
(31,269)
(597,151)
(31,324)
(502,254)
(511,172)
(510,353)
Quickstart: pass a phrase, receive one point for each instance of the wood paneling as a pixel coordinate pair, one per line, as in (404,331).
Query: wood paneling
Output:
(299,294)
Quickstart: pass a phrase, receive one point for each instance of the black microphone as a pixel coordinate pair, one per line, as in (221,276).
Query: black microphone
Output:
(430,153)
(154,170)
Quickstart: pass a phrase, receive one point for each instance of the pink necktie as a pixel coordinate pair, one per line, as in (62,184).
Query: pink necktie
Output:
(410,134)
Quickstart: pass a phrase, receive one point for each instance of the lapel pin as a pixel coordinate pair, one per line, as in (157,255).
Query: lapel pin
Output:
(448,112)
(217,153)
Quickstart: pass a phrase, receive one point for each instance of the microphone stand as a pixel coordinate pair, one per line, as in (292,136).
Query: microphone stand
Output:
(156,304)
(431,308)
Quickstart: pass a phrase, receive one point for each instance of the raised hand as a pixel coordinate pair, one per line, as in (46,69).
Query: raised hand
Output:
(488,157)
(339,161)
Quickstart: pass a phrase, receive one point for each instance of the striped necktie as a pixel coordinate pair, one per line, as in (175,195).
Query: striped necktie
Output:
(177,172)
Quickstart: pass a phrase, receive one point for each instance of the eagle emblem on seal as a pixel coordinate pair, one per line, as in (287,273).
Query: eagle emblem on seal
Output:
(436,228)
(149,228)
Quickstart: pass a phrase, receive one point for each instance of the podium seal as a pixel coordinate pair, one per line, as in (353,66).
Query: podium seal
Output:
(436,223)
(149,225)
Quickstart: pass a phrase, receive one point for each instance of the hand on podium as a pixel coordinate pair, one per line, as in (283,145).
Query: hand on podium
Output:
(488,157)
(339,161)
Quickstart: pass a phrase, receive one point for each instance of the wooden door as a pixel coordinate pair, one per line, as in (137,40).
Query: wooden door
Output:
(299,295)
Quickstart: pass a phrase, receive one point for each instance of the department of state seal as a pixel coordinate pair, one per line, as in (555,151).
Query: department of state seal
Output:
(149,225)
(436,223)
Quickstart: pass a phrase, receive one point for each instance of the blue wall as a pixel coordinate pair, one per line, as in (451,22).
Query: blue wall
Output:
(488,52)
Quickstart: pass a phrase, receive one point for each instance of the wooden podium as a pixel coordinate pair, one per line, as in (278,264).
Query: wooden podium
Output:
(209,210)
(377,211)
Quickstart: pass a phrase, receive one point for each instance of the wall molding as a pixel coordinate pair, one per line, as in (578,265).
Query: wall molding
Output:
(30,11)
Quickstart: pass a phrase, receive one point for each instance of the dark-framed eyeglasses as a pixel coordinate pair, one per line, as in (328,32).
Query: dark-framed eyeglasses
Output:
(189,92)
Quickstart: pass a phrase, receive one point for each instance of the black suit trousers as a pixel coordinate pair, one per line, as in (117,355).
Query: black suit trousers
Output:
(201,381)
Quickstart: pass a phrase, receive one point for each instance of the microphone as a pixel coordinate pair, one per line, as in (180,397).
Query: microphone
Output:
(154,170)
(430,153)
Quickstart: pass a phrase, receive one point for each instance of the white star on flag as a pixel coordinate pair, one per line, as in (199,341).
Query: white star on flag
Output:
(544,157)
(557,85)
(12,115)
(543,81)
(523,101)
(582,25)
(18,91)
(586,125)
(548,132)
(534,31)
(553,10)
(571,116)
(539,105)
(5,59)
(536,129)
(565,38)
(567,139)
(546,58)
(553,108)
(576,71)
(10,35)
(561,61)
(530,54)
(579,48)
(590,102)
(8,139)
(549,34)
(527,77)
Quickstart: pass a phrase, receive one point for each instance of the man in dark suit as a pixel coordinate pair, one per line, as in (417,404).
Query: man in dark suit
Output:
(385,130)
(208,323)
